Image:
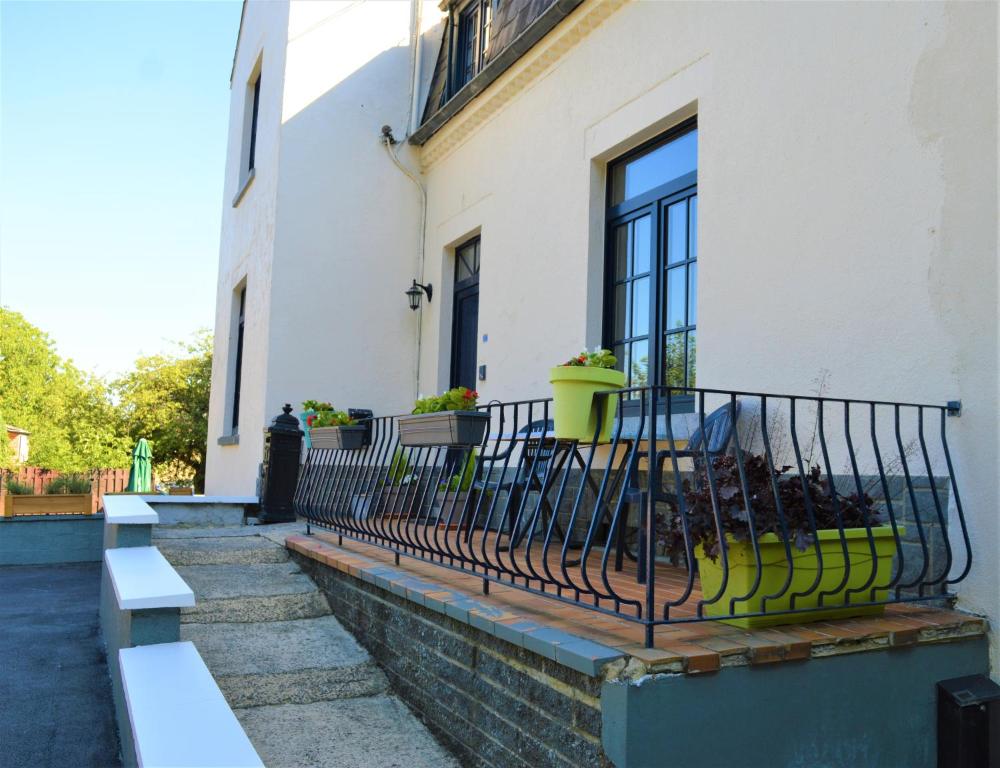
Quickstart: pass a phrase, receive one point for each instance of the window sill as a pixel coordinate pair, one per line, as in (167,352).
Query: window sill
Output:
(229,440)
(246,185)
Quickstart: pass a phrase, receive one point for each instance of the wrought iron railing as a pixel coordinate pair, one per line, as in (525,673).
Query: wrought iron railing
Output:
(700,504)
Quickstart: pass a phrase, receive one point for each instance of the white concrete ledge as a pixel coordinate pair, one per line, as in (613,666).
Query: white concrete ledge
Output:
(142,578)
(128,510)
(165,499)
(178,715)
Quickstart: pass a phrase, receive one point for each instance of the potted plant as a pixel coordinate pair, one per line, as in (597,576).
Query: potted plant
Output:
(575,407)
(797,496)
(454,492)
(63,496)
(330,429)
(395,495)
(449,419)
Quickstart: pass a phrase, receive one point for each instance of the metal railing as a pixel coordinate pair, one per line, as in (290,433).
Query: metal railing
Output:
(699,504)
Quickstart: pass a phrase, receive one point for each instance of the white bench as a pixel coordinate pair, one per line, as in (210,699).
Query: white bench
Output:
(142,578)
(178,716)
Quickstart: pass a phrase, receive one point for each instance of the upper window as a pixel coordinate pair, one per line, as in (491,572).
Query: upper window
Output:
(473,43)
(652,265)
(253,123)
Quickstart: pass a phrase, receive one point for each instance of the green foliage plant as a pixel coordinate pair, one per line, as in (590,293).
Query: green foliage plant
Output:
(14,488)
(68,484)
(456,399)
(461,481)
(599,358)
(325,415)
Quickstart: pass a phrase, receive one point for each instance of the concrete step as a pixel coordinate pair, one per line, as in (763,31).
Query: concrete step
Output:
(247,593)
(196,532)
(372,732)
(183,515)
(286,662)
(227,550)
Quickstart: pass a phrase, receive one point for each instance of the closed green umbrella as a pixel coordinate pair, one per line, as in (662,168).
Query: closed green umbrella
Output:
(140,476)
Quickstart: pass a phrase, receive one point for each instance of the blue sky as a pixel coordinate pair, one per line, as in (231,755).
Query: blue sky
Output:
(113,120)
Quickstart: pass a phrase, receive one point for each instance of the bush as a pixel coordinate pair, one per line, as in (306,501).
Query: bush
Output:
(15,488)
(69,484)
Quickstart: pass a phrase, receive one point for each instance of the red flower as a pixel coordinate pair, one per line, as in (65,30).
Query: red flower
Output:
(474,394)
(309,420)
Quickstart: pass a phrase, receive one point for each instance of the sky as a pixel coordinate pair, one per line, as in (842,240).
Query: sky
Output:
(113,122)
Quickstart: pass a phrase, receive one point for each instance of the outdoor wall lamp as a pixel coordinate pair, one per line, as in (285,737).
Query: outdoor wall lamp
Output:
(414,291)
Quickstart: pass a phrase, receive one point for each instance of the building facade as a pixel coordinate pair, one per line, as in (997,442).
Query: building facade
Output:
(740,196)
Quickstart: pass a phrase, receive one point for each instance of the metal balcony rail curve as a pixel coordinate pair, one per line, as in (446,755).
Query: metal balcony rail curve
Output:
(699,504)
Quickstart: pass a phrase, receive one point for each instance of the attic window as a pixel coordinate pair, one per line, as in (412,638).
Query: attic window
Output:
(474,22)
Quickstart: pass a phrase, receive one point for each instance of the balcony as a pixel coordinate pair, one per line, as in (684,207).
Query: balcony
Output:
(696,505)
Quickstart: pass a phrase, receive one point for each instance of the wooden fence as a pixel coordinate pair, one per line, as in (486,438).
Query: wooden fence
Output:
(101,480)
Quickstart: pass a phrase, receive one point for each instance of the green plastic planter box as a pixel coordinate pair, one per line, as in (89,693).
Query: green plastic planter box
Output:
(774,571)
(574,407)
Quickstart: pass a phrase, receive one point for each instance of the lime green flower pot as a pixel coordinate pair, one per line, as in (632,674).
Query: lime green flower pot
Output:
(774,571)
(574,407)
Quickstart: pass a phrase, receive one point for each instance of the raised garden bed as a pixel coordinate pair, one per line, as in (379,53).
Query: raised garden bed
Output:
(48,504)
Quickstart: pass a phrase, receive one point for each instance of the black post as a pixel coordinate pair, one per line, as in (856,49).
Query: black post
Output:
(282,449)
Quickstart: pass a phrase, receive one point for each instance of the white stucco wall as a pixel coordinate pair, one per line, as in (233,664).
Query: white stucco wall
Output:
(346,244)
(245,252)
(848,211)
(848,204)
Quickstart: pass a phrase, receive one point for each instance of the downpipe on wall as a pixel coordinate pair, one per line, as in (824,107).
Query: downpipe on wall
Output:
(389,142)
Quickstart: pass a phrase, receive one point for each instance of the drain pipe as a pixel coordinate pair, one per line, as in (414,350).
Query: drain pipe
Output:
(389,142)
(416,20)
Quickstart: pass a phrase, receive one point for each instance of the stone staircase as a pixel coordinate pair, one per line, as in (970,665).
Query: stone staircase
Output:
(306,692)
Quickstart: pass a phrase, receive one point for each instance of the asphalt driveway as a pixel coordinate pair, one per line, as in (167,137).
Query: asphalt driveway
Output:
(55,694)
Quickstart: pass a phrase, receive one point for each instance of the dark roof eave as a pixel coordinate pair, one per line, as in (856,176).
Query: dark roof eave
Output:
(540,27)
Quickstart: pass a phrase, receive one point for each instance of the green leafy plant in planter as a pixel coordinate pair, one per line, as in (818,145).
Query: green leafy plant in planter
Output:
(325,415)
(576,409)
(456,399)
(14,488)
(750,580)
(68,484)
(332,429)
(448,419)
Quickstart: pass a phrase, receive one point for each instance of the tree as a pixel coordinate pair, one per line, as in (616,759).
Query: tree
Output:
(165,400)
(74,425)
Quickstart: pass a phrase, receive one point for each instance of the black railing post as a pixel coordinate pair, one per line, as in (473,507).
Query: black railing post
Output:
(282,450)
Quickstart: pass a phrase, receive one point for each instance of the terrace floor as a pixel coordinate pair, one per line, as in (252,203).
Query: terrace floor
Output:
(55,693)
(688,647)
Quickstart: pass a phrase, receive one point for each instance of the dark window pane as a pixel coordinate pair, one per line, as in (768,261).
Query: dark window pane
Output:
(639,364)
(619,352)
(677,232)
(640,307)
(676,304)
(693,294)
(640,246)
(621,312)
(691,355)
(693,227)
(673,360)
(621,251)
(655,167)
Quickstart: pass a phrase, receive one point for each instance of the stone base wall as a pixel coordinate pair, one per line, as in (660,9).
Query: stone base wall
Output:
(494,704)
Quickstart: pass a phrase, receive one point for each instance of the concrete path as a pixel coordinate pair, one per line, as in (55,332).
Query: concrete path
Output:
(306,692)
(55,693)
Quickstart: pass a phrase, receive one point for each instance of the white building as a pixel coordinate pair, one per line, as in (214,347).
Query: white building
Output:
(834,165)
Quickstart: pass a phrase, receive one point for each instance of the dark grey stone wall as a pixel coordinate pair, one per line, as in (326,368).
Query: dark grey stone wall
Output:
(875,710)
(495,705)
(51,539)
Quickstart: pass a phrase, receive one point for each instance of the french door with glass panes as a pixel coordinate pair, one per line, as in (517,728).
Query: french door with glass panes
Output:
(652,261)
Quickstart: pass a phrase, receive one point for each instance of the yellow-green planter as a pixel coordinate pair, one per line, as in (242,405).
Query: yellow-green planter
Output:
(574,407)
(774,571)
